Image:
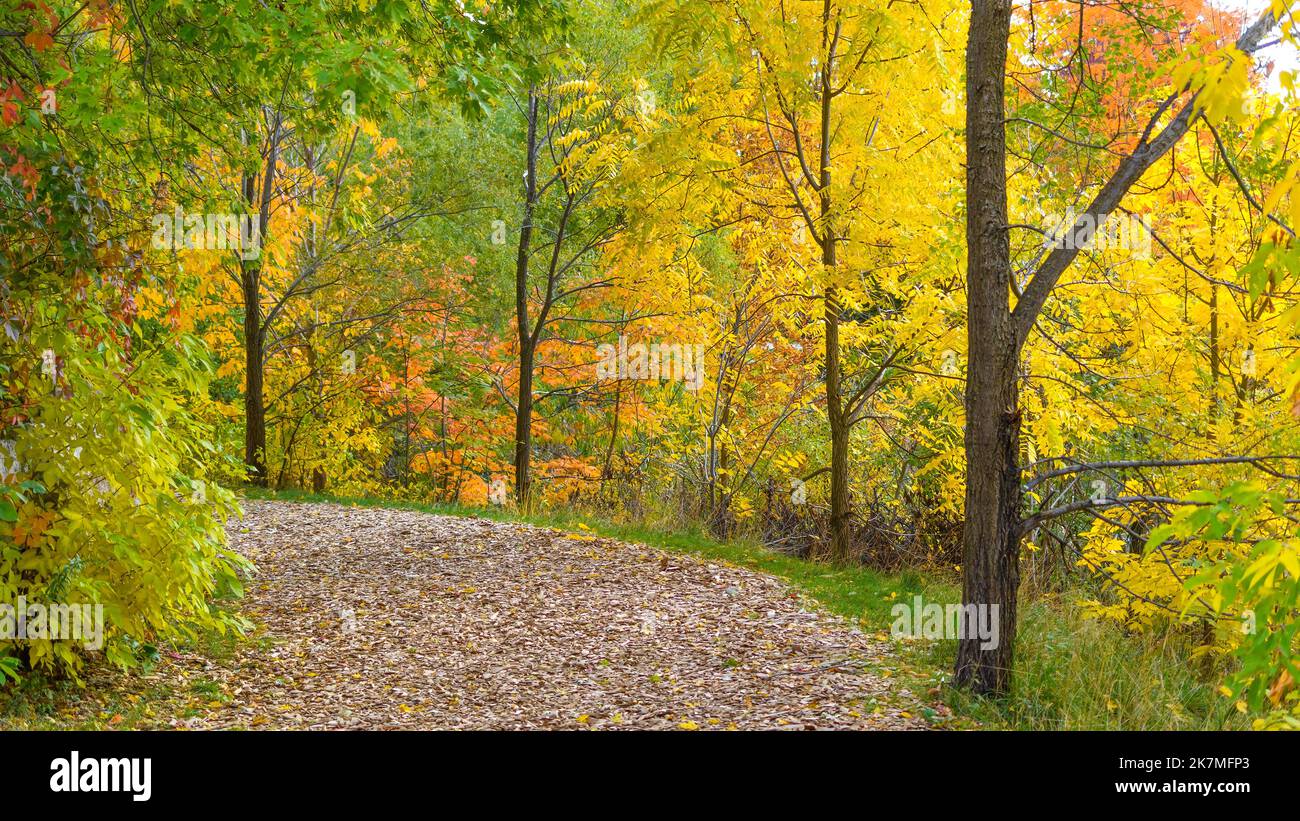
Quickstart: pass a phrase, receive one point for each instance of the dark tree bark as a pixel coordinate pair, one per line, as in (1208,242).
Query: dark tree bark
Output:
(250,274)
(527,339)
(254,402)
(841,547)
(991,541)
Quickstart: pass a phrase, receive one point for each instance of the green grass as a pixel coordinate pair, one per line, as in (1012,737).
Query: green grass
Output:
(1077,673)
(121,700)
(42,703)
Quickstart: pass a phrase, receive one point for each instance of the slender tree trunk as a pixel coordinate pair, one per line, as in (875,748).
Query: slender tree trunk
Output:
(527,338)
(607,472)
(836,413)
(523,426)
(254,331)
(254,405)
(991,538)
(318,389)
(841,547)
(406,412)
(1215,355)
(720,492)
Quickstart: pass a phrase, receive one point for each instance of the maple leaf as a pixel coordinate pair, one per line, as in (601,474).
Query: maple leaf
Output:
(39,40)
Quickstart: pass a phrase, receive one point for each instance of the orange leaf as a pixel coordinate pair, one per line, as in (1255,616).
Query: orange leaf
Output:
(1284,682)
(39,40)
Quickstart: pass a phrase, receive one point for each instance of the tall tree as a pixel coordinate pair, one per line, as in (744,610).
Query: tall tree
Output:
(258,199)
(575,134)
(837,147)
(997,331)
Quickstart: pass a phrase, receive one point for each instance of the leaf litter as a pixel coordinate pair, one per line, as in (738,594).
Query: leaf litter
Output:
(376,618)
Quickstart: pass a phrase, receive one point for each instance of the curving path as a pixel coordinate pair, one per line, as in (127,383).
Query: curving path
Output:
(386,619)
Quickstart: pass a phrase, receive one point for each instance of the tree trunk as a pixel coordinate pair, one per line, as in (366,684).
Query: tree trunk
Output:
(607,472)
(991,537)
(836,413)
(991,542)
(254,403)
(527,337)
(254,332)
(523,425)
(841,547)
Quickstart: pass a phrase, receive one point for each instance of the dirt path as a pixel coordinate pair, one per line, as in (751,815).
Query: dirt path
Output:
(379,619)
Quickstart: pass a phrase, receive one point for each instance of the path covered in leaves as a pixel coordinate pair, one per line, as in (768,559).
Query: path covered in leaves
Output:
(379,619)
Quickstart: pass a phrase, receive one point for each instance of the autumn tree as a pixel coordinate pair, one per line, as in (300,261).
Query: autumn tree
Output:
(832,146)
(998,330)
(575,133)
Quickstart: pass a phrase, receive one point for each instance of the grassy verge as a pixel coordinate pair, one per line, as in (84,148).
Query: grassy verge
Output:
(1076,673)
(155,695)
